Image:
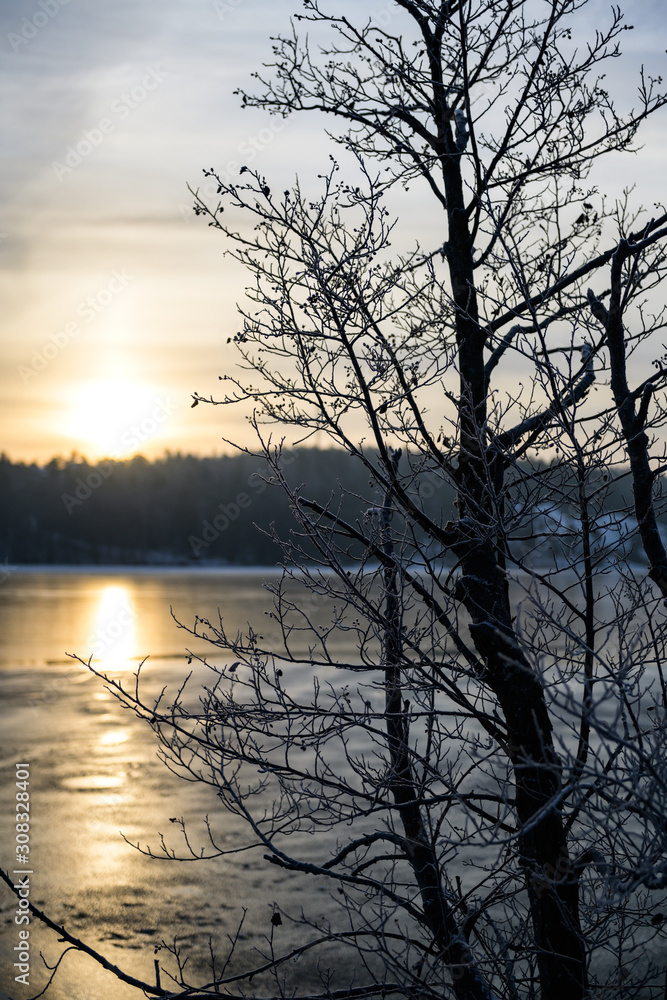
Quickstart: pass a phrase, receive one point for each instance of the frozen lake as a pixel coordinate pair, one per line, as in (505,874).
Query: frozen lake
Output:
(94,774)
(95,778)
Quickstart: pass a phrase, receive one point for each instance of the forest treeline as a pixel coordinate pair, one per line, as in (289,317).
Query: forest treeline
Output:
(184,509)
(179,508)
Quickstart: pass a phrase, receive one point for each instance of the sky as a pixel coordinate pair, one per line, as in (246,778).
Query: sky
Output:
(117,301)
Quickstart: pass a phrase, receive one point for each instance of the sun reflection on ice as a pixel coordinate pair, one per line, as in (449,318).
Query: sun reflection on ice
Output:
(113,634)
(113,738)
(94,782)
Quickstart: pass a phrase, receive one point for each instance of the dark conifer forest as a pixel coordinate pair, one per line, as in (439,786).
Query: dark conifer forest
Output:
(178,509)
(227,510)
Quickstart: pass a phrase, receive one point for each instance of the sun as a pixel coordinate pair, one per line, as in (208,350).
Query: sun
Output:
(114,417)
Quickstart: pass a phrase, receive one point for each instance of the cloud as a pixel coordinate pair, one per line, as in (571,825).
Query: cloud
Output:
(126,204)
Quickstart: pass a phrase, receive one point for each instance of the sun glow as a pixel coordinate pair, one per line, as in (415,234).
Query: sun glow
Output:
(113,738)
(113,633)
(115,417)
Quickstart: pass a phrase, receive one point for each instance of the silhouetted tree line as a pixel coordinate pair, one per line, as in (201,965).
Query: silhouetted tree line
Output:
(185,509)
(179,508)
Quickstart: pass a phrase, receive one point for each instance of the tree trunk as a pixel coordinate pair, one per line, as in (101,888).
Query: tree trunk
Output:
(551,883)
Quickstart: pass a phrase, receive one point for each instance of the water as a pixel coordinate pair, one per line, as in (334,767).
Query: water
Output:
(118,616)
(94,774)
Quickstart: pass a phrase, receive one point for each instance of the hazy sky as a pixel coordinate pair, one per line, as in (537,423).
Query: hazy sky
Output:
(116,300)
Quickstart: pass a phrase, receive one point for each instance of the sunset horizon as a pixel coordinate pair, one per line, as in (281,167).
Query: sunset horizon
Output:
(119,303)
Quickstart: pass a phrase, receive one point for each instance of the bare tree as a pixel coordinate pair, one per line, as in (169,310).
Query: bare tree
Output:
(480,748)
